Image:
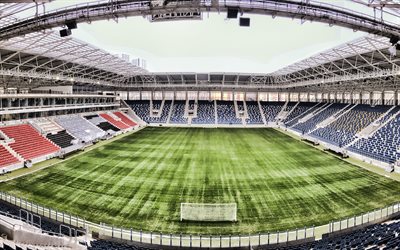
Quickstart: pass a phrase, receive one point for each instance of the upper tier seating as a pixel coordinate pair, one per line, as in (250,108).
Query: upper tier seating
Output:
(312,123)
(62,139)
(117,123)
(205,113)
(28,143)
(383,144)
(253,112)
(178,111)
(341,132)
(6,158)
(271,110)
(80,128)
(226,113)
(125,119)
(301,110)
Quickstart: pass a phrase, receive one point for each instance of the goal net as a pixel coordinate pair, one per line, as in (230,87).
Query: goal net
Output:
(208,212)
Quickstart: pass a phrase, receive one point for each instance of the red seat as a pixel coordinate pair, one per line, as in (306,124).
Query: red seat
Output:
(6,157)
(125,119)
(118,124)
(28,143)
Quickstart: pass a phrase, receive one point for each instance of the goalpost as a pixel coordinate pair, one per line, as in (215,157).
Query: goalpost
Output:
(208,212)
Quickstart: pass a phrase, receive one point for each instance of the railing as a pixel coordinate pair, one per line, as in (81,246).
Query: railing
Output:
(207,241)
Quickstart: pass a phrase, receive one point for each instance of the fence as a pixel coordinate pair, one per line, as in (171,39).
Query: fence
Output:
(205,241)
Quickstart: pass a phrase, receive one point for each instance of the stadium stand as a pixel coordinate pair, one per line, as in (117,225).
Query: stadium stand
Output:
(62,139)
(102,124)
(178,112)
(80,128)
(47,126)
(205,113)
(28,143)
(7,158)
(226,113)
(254,113)
(341,132)
(141,109)
(379,236)
(383,144)
(117,123)
(271,110)
(301,110)
(309,125)
(125,119)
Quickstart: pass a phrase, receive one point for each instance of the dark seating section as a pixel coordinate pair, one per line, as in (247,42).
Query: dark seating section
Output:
(379,236)
(107,126)
(110,245)
(62,139)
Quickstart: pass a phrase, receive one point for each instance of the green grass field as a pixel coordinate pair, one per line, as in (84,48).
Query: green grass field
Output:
(140,180)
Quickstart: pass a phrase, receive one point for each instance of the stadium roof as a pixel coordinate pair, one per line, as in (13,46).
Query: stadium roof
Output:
(44,55)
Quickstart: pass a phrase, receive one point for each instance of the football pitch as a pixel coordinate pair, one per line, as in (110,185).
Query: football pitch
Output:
(140,180)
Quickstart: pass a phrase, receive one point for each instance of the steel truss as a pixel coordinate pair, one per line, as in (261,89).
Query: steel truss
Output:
(105,9)
(52,58)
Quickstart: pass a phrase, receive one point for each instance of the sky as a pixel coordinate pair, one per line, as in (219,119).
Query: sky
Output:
(214,44)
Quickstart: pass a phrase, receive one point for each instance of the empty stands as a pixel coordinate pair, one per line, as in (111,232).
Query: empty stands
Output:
(271,110)
(342,131)
(28,143)
(80,128)
(6,158)
(125,119)
(141,109)
(117,123)
(383,144)
(301,110)
(205,113)
(226,113)
(309,125)
(254,114)
(178,112)
(102,123)
(62,139)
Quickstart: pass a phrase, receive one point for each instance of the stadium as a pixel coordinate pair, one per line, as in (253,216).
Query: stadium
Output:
(186,145)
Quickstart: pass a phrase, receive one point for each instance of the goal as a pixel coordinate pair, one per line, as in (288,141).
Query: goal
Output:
(208,212)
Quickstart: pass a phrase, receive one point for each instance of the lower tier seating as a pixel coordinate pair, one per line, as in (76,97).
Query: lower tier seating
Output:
(301,110)
(254,114)
(106,126)
(117,123)
(341,132)
(383,145)
(28,143)
(205,113)
(271,110)
(226,113)
(6,158)
(178,111)
(324,114)
(383,236)
(62,139)
(125,119)
(80,128)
